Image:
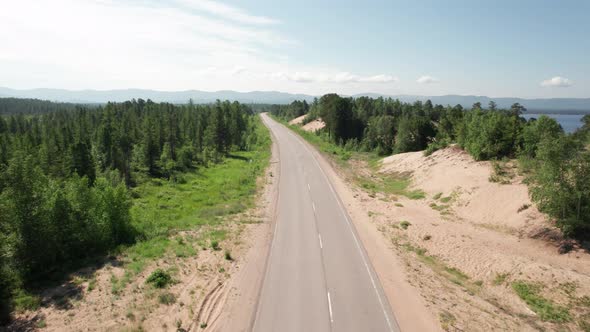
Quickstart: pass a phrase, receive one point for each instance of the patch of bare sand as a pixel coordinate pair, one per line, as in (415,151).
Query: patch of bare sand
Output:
(100,300)
(298,120)
(209,293)
(479,228)
(314,125)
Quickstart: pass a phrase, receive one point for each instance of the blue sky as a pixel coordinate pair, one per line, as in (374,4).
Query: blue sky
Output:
(495,48)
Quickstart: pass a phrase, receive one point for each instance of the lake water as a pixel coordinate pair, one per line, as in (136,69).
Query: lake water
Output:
(568,122)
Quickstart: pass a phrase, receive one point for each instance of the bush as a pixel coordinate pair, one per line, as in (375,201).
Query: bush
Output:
(167,298)
(561,185)
(228,256)
(159,279)
(404,224)
(488,135)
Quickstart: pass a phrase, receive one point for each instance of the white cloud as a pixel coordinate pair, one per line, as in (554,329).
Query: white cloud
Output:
(171,45)
(425,79)
(557,81)
(379,79)
(337,77)
(227,12)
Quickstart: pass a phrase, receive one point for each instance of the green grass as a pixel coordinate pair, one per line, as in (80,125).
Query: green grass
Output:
(167,298)
(452,274)
(437,207)
(447,320)
(23,301)
(500,278)
(321,142)
(404,224)
(544,308)
(391,184)
(205,198)
(446,199)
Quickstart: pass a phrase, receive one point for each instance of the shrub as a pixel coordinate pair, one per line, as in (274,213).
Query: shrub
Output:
(228,256)
(404,224)
(167,298)
(159,278)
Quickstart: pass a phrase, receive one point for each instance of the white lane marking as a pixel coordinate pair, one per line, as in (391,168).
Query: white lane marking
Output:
(321,244)
(330,308)
(313,206)
(308,187)
(350,228)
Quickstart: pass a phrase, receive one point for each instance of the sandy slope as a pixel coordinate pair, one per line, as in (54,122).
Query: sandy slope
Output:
(481,232)
(314,125)
(298,120)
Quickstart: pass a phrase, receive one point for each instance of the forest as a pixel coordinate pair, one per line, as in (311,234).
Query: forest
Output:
(66,174)
(556,165)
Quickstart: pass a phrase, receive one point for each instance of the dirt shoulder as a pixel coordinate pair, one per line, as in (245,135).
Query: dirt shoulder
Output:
(240,309)
(409,307)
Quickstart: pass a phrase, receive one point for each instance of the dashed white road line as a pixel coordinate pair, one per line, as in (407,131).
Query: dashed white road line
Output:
(313,206)
(321,244)
(343,211)
(330,308)
(308,187)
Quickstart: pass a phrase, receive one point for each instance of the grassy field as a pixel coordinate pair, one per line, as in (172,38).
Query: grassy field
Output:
(201,198)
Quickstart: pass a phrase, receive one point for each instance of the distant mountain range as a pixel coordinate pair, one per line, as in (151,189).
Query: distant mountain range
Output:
(561,105)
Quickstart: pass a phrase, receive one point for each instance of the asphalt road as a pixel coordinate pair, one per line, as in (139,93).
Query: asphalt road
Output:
(318,276)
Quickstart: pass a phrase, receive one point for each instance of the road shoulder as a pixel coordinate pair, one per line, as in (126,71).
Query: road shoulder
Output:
(409,307)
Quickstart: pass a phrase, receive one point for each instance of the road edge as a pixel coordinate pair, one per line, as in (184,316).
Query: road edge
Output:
(401,296)
(246,285)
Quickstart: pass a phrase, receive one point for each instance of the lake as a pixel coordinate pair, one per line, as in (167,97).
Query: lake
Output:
(569,122)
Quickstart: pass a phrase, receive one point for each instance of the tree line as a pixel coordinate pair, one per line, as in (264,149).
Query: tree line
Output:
(65,174)
(557,164)
(10,106)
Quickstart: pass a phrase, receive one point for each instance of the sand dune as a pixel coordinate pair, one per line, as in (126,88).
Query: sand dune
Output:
(491,232)
(314,125)
(298,120)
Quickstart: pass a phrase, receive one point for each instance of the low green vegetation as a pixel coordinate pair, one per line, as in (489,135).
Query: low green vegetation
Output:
(546,310)
(159,278)
(228,256)
(452,274)
(167,298)
(390,184)
(447,320)
(404,224)
(500,278)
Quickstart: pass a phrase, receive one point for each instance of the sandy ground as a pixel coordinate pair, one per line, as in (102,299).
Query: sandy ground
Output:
(298,120)
(210,293)
(314,125)
(468,241)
